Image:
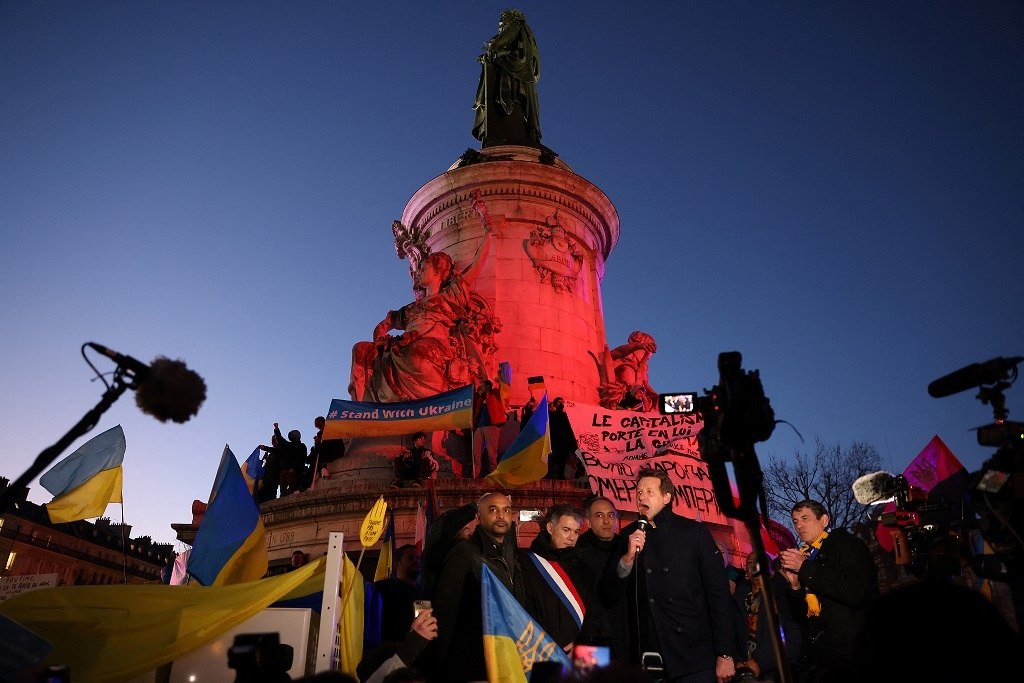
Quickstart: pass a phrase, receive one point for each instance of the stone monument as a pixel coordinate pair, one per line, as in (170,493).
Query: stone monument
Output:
(507,249)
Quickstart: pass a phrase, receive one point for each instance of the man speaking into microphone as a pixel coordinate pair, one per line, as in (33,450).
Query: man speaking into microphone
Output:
(672,576)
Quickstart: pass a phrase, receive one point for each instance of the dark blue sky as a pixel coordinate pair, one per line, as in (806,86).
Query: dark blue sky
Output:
(833,189)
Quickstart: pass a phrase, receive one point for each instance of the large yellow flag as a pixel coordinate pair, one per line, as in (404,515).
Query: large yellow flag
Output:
(351,621)
(115,633)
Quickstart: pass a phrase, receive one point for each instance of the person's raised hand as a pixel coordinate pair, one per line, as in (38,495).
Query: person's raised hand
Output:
(425,624)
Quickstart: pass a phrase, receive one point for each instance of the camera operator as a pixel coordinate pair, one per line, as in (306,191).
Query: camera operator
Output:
(832,583)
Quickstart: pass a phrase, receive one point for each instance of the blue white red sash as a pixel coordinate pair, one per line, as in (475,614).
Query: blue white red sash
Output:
(562,586)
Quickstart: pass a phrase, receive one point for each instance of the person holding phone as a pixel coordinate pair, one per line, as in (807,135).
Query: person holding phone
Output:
(378,664)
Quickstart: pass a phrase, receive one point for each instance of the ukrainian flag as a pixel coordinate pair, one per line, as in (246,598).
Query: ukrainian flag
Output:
(505,382)
(231,544)
(513,641)
(84,483)
(252,469)
(526,460)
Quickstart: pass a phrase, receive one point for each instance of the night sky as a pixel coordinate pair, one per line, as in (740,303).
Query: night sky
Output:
(833,189)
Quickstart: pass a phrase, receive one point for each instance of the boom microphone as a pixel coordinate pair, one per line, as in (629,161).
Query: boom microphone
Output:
(875,487)
(974,375)
(166,389)
(137,367)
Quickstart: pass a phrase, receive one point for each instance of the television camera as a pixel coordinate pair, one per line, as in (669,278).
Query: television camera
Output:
(998,487)
(736,415)
(926,530)
(260,658)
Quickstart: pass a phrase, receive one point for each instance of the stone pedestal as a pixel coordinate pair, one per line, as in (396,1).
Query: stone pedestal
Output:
(553,232)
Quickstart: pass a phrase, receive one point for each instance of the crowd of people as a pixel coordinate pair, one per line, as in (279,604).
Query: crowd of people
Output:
(657,597)
(290,467)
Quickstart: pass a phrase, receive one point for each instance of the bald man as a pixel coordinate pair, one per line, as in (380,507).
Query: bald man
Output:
(456,601)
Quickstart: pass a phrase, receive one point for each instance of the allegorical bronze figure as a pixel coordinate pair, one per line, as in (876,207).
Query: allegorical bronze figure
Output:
(507,111)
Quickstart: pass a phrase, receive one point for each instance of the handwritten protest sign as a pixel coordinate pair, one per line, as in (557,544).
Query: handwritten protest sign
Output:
(15,585)
(616,444)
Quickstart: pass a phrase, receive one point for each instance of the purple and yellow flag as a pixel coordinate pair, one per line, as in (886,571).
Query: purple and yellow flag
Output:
(513,641)
(450,410)
(84,483)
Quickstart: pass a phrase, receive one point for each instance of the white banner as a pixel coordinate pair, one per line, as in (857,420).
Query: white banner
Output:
(16,585)
(616,444)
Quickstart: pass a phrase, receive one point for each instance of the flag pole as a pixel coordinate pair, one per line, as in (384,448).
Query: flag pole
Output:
(348,590)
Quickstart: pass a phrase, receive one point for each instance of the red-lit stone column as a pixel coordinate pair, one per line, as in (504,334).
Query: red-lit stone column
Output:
(553,232)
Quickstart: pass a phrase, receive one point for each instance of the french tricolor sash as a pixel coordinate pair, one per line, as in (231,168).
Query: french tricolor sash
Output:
(562,586)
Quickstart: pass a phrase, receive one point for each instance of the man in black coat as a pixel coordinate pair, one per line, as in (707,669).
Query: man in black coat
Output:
(456,600)
(563,439)
(559,583)
(595,548)
(673,579)
(832,583)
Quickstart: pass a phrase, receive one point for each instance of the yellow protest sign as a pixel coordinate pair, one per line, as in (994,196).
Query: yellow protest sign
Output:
(373,524)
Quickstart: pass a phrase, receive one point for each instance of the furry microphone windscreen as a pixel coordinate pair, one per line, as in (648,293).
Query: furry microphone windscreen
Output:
(874,488)
(170,391)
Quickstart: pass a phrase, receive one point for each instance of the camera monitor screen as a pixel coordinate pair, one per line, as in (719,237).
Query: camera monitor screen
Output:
(669,404)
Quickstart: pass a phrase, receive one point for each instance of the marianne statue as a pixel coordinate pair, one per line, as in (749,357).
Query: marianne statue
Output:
(507,111)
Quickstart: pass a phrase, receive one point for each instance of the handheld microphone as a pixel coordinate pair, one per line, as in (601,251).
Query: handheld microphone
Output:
(642,524)
(165,389)
(974,375)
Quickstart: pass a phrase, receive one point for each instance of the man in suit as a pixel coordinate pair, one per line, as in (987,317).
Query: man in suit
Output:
(673,579)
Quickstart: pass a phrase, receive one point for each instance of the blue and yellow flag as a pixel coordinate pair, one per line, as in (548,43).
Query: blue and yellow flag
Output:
(84,483)
(446,411)
(252,469)
(526,460)
(231,544)
(513,641)
(505,382)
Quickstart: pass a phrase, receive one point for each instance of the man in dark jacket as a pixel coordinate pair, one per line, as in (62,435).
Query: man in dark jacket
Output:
(833,581)
(608,622)
(456,600)
(559,583)
(563,439)
(672,577)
